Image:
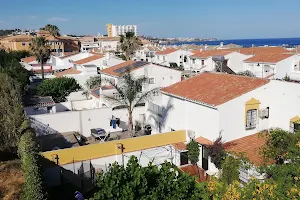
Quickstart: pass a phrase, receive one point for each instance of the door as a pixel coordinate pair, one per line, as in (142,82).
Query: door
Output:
(204,158)
(184,158)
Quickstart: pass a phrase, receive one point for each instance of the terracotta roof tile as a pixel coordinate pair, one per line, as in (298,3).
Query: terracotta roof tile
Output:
(67,71)
(204,141)
(89,59)
(18,38)
(210,53)
(269,57)
(250,145)
(179,146)
(214,88)
(166,51)
(28,59)
(196,172)
(257,50)
(69,54)
(111,70)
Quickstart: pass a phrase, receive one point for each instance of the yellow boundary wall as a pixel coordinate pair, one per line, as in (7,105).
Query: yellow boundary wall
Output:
(105,149)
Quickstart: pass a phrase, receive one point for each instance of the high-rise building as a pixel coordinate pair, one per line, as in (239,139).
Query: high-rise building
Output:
(117,30)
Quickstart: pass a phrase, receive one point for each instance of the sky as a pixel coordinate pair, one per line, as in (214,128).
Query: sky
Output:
(222,19)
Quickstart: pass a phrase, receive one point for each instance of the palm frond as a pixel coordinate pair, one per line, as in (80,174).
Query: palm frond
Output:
(146,96)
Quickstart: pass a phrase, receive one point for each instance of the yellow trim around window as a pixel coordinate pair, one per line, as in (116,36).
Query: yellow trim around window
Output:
(295,120)
(252,104)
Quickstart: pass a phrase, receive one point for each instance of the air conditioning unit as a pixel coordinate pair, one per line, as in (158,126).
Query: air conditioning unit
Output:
(264,113)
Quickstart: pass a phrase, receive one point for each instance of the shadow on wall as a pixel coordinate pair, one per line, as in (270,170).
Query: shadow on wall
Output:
(41,128)
(160,120)
(62,183)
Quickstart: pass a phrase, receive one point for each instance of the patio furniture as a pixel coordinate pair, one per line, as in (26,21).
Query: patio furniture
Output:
(99,134)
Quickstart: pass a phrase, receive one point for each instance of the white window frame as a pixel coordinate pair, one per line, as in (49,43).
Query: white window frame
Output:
(251,118)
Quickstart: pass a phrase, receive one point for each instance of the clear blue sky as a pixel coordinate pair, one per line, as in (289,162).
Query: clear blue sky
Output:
(224,19)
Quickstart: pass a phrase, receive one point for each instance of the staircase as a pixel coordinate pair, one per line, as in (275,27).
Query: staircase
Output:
(221,65)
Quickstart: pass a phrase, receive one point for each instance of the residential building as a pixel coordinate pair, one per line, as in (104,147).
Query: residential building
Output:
(57,44)
(274,65)
(101,44)
(235,106)
(117,30)
(171,56)
(157,76)
(217,60)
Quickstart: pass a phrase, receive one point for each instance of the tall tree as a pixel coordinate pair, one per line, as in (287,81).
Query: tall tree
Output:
(58,88)
(129,94)
(52,29)
(11,113)
(41,51)
(129,44)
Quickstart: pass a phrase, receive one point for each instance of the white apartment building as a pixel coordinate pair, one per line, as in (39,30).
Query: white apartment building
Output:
(211,60)
(117,30)
(172,55)
(274,65)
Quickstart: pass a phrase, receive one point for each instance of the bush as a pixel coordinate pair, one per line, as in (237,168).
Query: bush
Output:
(217,152)
(193,151)
(58,88)
(28,150)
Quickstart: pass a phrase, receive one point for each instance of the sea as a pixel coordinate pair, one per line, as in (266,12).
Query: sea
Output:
(287,42)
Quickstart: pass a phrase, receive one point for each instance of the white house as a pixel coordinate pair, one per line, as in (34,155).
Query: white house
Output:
(172,55)
(234,106)
(274,65)
(217,59)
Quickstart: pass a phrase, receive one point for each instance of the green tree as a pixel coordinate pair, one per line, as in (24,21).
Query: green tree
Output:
(58,88)
(93,82)
(11,113)
(129,44)
(152,182)
(193,151)
(52,29)
(230,169)
(217,152)
(41,51)
(246,73)
(9,64)
(28,150)
(129,90)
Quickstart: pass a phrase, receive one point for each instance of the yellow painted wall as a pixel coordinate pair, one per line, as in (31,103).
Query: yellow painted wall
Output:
(19,46)
(251,105)
(105,149)
(109,30)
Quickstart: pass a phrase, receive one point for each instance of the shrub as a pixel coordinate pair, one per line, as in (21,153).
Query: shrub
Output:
(28,150)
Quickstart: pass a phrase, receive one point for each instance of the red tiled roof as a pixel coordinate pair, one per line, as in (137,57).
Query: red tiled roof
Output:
(250,145)
(68,54)
(210,53)
(195,171)
(67,71)
(179,146)
(39,71)
(269,57)
(214,88)
(89,59)
(204,141)
(111,70)
(28,59)
(166,51)
(258,50)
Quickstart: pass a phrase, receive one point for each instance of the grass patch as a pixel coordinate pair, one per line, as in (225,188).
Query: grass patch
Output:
(11,180)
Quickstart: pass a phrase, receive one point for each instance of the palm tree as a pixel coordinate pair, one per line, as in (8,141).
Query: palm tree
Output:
(52,29)
(129,94)
(129,44)
(41,51)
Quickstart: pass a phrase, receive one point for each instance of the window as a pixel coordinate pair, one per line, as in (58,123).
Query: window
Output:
(23,43)
(251,119)
(155,108)
(295,124)
(202,62)
(164,58)
(151,80)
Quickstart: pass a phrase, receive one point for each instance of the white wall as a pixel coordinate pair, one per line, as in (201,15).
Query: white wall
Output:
(286,67)
(204,121)
(83,121)
(282,98)
(236,61)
